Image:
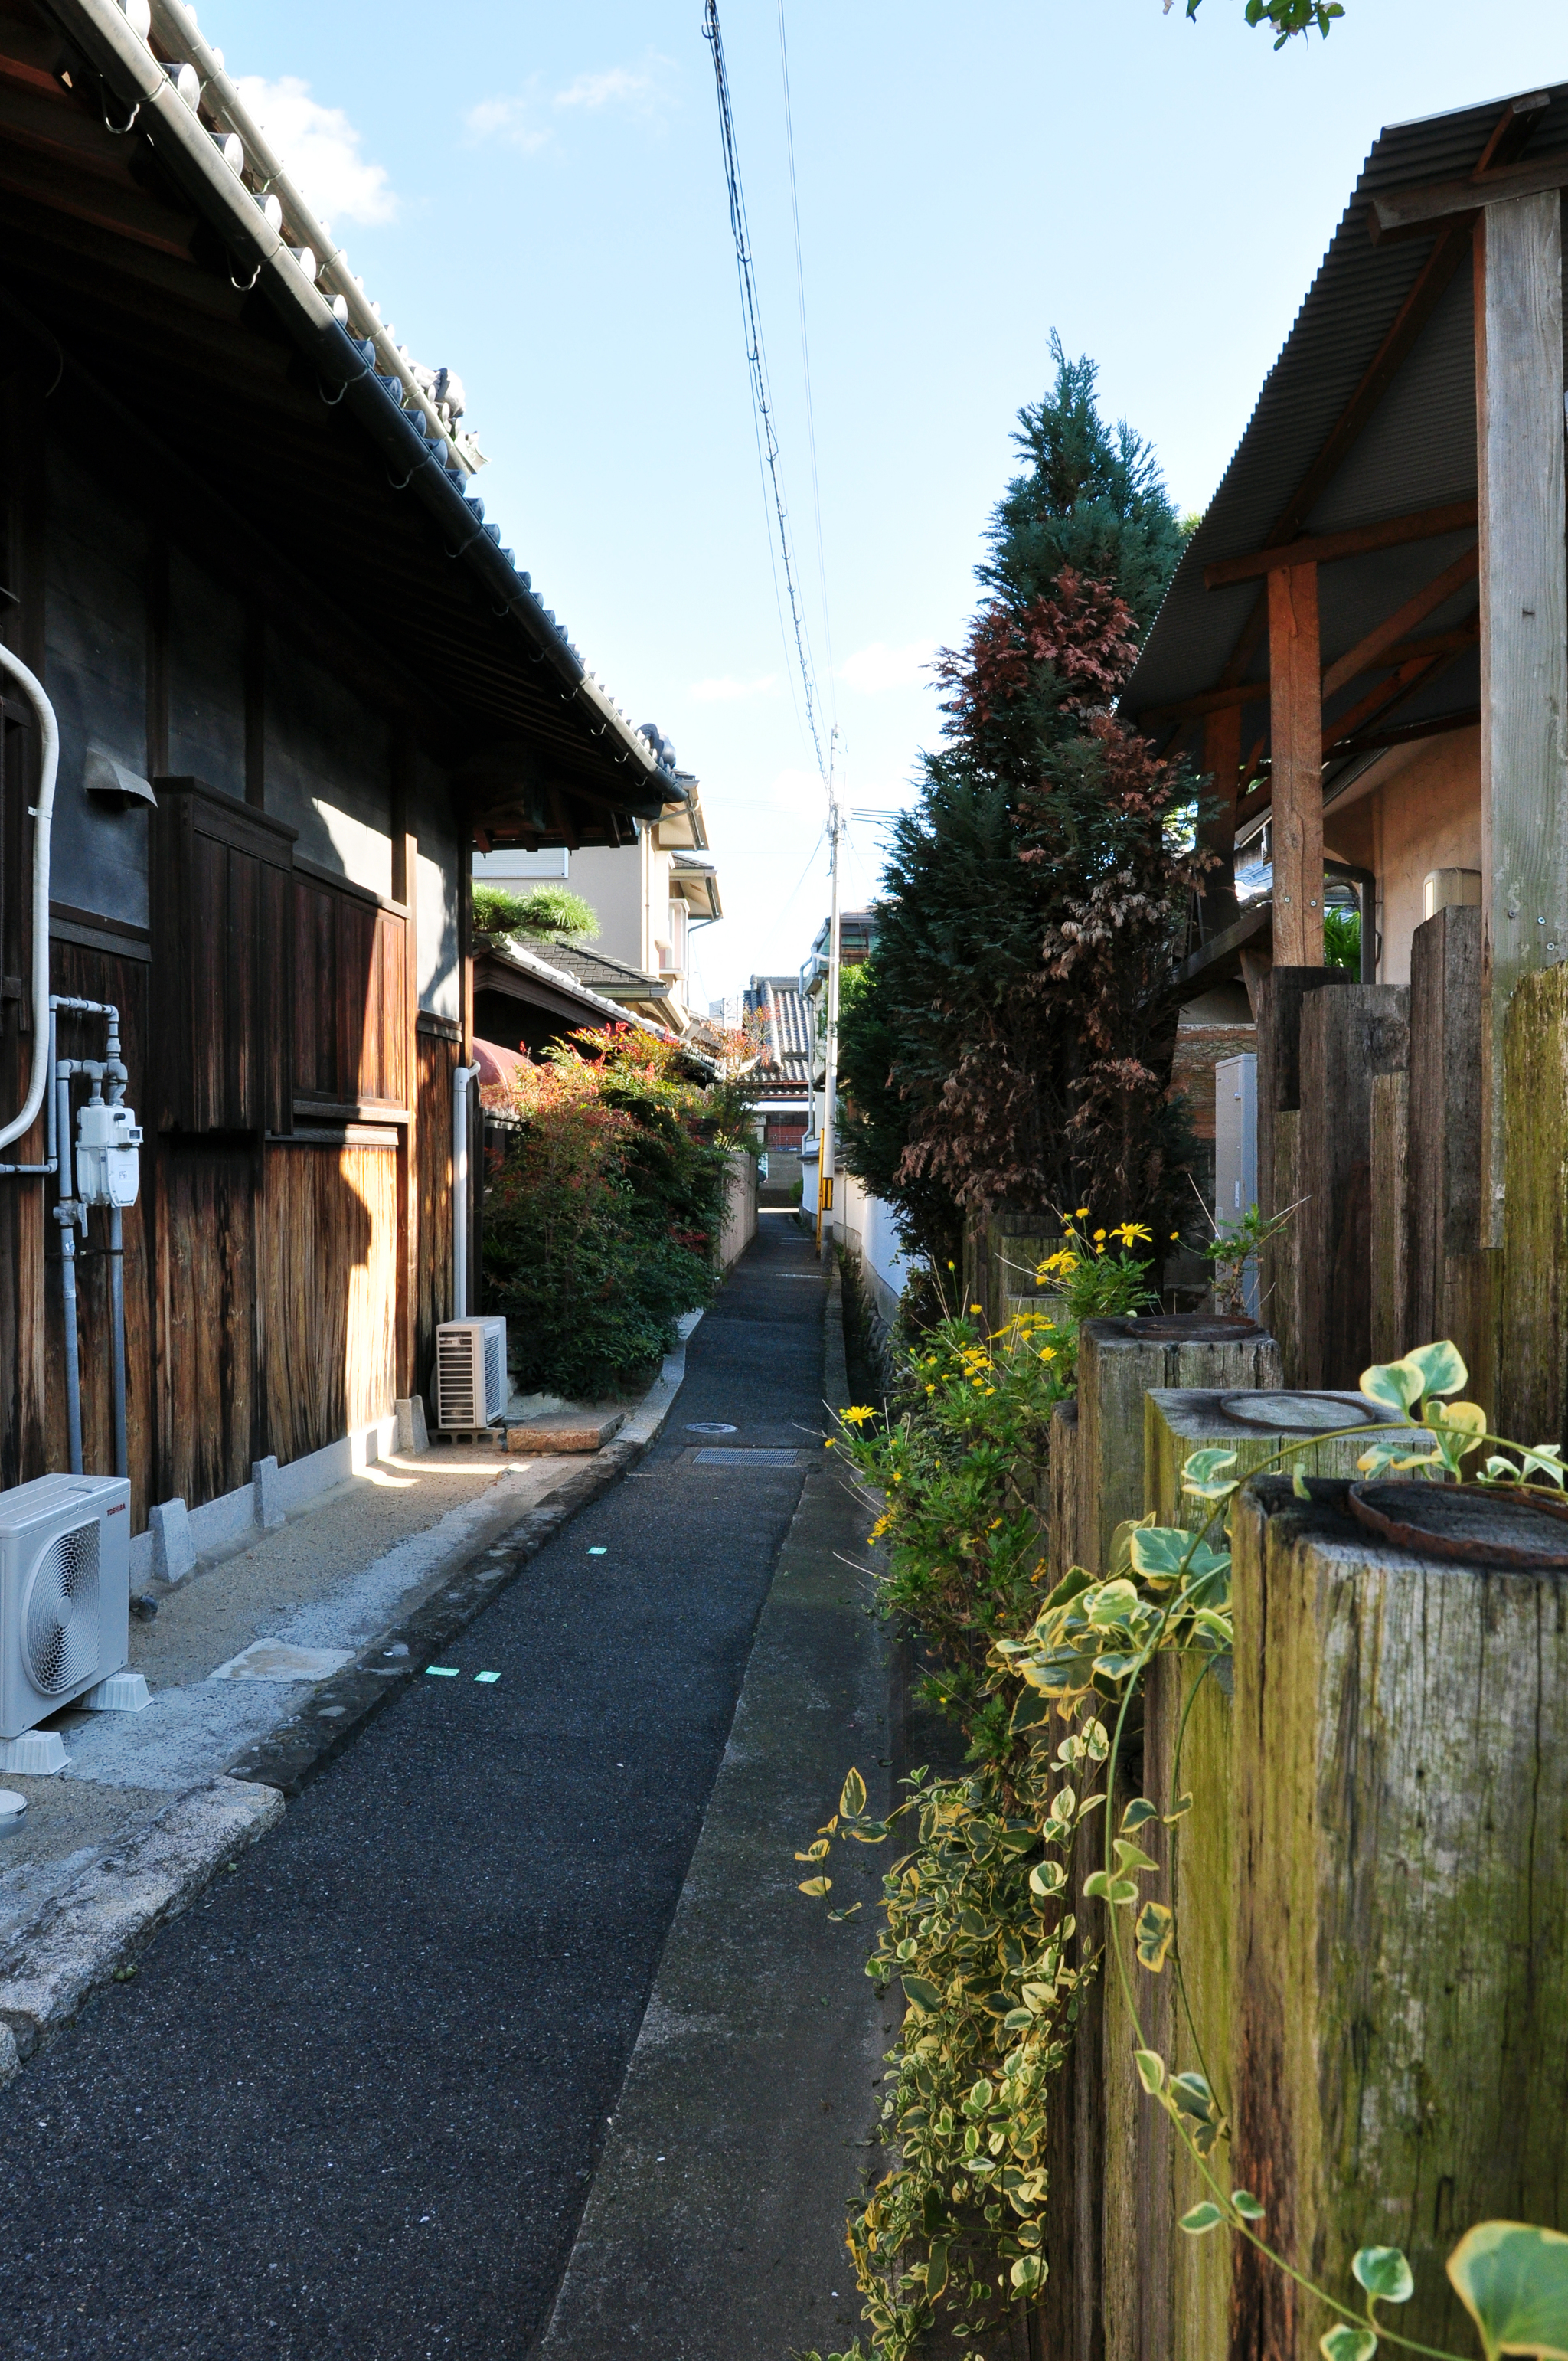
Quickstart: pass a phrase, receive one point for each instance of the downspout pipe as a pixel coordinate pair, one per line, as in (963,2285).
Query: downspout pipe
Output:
(17,677)
(461,1078)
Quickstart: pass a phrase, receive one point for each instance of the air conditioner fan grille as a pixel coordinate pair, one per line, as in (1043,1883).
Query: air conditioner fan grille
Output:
(61,1627)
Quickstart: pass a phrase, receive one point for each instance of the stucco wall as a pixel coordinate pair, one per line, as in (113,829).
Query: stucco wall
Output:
(1421,810)
(611,879)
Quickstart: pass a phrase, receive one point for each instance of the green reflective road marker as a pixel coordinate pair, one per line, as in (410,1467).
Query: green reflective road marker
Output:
(441,1672)
(486,1676)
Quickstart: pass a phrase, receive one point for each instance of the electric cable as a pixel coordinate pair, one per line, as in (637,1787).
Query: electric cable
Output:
(805,368)
(757,365)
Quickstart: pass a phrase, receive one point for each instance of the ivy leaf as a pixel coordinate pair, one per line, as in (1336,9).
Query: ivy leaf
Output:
(1159,1551)
(1118,1891)
(1153,1929)
(1130,1860)
(920,1994)
(1440,1368)
(1201,1474)
(852,1800)
(818,1852)
(816,1885)
(1201,2218)
(1347,2344)
(1026,2273)
(1384,2272)
(837,1915)
(1151,2070)
(1046,1877)
(936,2269)
(1246,2205)
(1512,2279)
(1396,1385)
(1139,1810)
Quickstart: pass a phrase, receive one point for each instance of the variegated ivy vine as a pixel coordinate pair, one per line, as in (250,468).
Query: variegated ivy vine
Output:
(978,1931)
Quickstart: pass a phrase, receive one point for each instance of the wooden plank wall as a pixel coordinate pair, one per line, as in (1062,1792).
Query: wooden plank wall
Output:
(351,996)
(437,1052)
(327,1231)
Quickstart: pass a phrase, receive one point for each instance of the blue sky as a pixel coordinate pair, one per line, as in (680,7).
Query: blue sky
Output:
(534,196)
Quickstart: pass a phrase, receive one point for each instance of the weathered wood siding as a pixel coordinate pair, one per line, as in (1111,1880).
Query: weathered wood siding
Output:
(327,1231)
(351,998)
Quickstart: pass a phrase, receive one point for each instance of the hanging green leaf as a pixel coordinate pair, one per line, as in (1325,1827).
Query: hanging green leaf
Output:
(1026,2273)
(816,1885)
(919,1993)
(1442,1369)
(1200,2219)
(839,1916)
(1153,1929)
(1159,1551)
(1384,2272)
(1512,2279)
(1137,1812)
(1151,2070)
(1347,2344)
(1246,2205)
(936,2269)
(852,1800)
(1398,1385)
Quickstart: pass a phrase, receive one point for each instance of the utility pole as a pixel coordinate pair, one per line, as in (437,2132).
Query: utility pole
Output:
(827,1130)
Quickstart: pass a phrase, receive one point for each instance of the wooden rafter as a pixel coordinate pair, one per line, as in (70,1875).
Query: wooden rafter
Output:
(1356,541)
(1384,637)
(1408,213)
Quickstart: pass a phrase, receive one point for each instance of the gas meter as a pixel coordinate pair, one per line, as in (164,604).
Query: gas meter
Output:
(108,1168)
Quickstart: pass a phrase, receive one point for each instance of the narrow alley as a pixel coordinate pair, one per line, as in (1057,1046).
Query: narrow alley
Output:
(353,2101)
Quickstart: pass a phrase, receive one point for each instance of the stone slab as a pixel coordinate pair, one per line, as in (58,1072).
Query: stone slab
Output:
(564,1431)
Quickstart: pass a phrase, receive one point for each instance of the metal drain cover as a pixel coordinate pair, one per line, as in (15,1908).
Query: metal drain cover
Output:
(711,1426)
(747,1458)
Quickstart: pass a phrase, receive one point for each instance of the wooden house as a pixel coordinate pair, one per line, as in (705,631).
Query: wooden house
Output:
(295,678)
(1364,650)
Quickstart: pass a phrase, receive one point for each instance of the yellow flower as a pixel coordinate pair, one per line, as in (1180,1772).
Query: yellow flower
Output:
(1082,1214)
(828,1444)
(858,1416)
(1047,1352)
(1131,1231)
(974,1307)
(1099,1235)
(930,1389)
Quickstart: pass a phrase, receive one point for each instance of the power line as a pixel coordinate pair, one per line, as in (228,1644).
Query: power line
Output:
(756,362)
(806,363)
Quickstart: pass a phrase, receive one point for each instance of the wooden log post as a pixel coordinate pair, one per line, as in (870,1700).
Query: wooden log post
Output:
(1346,1038)
(1281,994)
(1217,834)
(1455,1280)
(1168,2297)
(1062,1539)
(1118,1362)
(1392,1333)
(1399,2064)
(1524,628)
(1533,1355)
(1295,764)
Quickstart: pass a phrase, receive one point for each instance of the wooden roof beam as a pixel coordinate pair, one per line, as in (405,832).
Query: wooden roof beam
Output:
(1356,541)
(1382,641)
(1410,213)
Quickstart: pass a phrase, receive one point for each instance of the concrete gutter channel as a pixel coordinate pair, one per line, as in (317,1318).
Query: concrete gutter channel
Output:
(745,2128)
(89,1931)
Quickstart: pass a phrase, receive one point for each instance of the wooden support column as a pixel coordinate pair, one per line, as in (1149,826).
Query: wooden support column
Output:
(1524,628)
(1222,763)
(1296,742)
(405,889)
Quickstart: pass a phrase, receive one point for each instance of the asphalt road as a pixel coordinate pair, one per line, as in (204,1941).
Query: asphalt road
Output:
(353,2101)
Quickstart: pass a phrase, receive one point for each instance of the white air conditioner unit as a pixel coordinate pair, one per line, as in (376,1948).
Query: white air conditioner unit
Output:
(470,1375)
(65,1564)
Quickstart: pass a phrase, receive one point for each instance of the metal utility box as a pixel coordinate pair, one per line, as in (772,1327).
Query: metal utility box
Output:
(1235,1152)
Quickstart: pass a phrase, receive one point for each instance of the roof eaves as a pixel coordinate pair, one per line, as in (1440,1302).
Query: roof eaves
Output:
(102,31)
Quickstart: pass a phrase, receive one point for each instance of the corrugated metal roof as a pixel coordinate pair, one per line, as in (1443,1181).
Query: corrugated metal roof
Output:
(1417,450)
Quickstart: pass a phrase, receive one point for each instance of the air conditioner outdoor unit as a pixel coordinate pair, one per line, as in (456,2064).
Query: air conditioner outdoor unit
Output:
(65,1556)
(470,1375)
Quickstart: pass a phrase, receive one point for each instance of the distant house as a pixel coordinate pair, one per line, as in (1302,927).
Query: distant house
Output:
(649,894)
(774,1005)
(295,677)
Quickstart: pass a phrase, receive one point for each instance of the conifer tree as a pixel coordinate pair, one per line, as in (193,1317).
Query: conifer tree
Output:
(1011,1041)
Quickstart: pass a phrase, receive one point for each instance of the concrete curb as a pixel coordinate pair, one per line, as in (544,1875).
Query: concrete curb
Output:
(94,1929)
(299,1749)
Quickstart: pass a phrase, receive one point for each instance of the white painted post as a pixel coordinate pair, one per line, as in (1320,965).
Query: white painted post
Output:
(1524,627)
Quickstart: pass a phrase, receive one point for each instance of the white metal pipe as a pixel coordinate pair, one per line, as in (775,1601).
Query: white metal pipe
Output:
(461,1078)
(15,674)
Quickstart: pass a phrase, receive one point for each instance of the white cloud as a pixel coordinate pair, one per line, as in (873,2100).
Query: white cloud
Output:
(320,148)
(522,121)
(727,691)
(879,668)
(618,85)
(510,119)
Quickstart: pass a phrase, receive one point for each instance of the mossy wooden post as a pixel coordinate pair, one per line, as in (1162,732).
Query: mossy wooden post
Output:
(1063,1532)
(1280,996)
(1399,2060)
(1279,1263)
(1347,1037)
(1455,1282)
(1391,1332)
(1118,1361)
(1534,1328)
(1166,2295)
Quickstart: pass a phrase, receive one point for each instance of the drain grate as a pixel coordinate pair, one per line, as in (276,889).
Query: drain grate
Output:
(747,1459)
